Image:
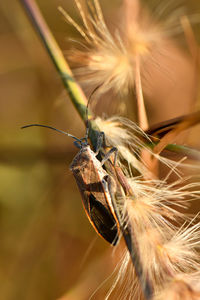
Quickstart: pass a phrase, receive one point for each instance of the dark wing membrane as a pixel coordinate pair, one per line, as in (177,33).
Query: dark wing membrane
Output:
(103,220)
(89,181)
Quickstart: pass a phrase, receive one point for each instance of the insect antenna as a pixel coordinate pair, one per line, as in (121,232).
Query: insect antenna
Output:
(87,121)
(68,134)
(50,127)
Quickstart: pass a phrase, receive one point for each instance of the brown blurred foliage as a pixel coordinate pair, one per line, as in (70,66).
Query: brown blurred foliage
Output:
(47,246)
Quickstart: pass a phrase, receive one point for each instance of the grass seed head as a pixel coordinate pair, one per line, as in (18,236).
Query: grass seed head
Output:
(108,60)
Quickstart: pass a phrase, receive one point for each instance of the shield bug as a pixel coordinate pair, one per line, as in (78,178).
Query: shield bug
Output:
(92,181)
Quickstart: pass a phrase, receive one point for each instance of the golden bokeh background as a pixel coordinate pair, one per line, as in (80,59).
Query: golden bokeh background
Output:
(48,248)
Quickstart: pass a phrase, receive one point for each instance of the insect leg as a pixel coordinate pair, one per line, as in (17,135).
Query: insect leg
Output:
(100,142)
(108,154)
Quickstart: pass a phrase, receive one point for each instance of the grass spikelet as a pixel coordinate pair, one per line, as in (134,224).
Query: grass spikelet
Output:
(178,289)
(170,254)
(130,139)
(104,61)
(127,137)
(112,61)
(154,211)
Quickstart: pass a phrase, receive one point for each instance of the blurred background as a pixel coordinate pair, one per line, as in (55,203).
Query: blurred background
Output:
(48,249)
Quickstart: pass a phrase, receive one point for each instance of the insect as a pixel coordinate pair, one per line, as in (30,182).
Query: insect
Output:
(93,182)
(98,190)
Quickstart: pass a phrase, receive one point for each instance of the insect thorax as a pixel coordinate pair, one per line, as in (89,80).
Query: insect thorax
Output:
(81,159)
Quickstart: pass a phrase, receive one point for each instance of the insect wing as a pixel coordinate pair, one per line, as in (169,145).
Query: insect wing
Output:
(89,176)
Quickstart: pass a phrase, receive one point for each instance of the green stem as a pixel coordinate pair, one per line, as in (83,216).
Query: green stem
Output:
(75,92)
(191,153)
(184,150)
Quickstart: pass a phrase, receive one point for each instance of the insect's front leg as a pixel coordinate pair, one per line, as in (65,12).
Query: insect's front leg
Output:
(117,171)
(101,142)
(108,155)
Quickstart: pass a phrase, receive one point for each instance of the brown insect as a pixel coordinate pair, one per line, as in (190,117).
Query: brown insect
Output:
(93,182)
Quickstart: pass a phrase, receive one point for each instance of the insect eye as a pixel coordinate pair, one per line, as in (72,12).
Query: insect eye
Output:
(103,220)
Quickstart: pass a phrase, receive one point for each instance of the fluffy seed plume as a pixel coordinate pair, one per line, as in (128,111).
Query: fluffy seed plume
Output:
(114,61)
(167,238)
(105,60)
(179,289)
